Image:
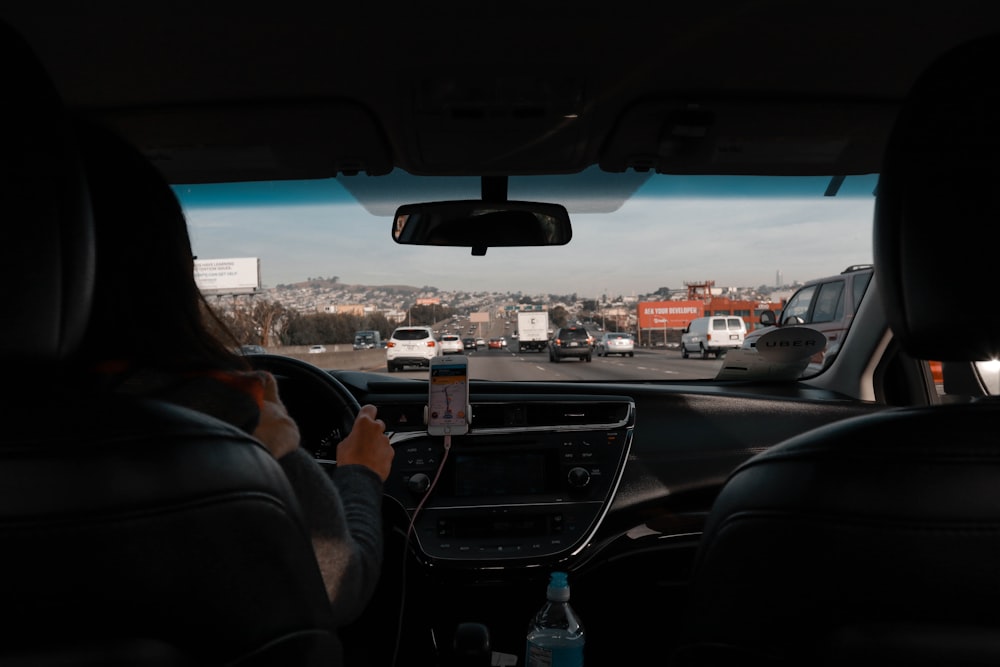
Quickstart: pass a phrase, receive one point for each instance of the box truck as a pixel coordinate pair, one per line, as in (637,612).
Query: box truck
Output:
(533,331)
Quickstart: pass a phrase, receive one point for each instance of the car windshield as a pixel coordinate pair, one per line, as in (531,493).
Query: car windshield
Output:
(649,253)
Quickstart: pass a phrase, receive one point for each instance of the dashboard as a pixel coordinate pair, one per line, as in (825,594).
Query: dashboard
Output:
(569,473)
(608,481)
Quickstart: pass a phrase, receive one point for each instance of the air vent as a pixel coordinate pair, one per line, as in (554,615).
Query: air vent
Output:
(550,414)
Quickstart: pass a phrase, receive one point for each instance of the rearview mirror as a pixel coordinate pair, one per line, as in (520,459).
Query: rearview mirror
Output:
(481,224)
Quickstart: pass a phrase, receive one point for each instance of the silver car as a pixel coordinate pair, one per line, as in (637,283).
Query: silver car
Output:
(452,344)
(615,342)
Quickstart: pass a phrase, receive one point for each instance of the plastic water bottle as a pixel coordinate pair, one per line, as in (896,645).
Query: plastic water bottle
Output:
(555,634)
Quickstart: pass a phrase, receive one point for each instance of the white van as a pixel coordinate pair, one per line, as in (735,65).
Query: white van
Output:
(713,335)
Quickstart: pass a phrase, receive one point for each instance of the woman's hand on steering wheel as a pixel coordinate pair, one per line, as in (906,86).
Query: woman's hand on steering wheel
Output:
(367,444)
(276,429)
(321,406)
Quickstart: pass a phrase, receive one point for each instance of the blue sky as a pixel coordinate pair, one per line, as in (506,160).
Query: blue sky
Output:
(309,229)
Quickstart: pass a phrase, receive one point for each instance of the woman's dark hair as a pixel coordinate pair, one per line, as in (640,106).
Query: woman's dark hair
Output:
(148,310)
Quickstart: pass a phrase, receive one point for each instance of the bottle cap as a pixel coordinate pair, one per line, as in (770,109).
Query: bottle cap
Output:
(558,590)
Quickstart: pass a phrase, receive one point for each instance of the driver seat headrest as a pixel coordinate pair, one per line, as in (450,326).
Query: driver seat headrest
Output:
(48,249)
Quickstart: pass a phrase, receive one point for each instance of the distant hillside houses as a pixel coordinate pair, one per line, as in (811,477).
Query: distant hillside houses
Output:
(393,301)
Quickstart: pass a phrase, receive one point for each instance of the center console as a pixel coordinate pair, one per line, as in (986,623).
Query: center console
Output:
(532,490)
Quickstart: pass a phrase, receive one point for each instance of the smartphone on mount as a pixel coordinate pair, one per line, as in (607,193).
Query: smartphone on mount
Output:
(448,410)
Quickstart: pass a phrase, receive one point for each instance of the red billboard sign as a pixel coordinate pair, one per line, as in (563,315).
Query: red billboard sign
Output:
(669,314)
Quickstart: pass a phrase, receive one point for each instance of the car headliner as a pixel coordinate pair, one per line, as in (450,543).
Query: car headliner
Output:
(729,87)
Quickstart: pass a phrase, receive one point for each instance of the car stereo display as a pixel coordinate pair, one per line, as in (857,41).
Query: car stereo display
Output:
(499,474)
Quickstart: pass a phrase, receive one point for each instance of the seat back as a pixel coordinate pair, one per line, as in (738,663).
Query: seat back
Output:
(138,520)
(132,531)
(874,540)
(46,212)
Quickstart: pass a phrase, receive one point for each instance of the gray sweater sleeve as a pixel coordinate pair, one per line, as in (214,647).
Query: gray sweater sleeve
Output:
(344,518)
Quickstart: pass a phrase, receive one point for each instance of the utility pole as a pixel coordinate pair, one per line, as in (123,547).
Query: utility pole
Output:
(604,325)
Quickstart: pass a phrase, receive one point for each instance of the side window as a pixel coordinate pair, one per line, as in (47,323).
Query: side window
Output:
(859,288)
(829,302)
(799,304)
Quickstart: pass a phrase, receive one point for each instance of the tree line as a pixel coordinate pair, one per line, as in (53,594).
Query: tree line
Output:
(271,323)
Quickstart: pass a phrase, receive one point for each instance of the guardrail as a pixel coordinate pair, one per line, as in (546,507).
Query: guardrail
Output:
(342,357)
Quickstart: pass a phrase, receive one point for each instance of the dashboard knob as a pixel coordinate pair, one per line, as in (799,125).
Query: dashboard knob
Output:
(578,477)
(418,483)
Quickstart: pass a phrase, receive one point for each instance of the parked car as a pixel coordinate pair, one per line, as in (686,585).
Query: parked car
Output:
(451,344)
(615,342)
(656,152)
(713,335)
(571,342)
(317,349)
(411,346)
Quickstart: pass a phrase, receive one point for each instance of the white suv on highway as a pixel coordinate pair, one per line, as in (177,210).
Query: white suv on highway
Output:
(411,346)
(452,344)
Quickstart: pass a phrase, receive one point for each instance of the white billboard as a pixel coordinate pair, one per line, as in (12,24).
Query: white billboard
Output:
(237,275)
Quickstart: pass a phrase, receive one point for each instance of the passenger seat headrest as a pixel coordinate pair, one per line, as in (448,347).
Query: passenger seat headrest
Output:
(47,251)
(937,212)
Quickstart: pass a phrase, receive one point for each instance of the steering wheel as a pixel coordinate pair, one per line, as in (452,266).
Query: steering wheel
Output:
(319,403)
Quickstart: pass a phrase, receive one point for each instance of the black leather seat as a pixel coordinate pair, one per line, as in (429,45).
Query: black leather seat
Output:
(876,540)
(131,531)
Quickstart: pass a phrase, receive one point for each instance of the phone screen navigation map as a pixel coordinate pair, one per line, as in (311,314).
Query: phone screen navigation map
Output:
(448,400)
